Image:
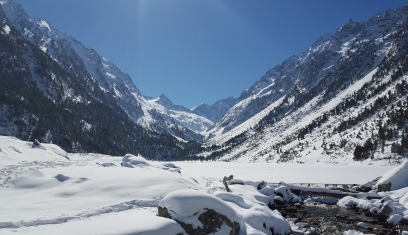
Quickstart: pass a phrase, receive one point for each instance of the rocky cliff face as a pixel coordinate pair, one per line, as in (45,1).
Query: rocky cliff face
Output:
(48,92)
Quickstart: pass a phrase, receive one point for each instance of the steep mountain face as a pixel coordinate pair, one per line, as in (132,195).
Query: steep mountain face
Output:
(215,111)
(330,95)
(333,60)
(55,90)
(41,100)
(87,64)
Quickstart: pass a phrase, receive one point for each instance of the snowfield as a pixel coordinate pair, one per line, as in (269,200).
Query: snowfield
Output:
(44,190)
(289,173)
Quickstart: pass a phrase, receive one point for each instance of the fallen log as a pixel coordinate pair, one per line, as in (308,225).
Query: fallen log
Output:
(324,192)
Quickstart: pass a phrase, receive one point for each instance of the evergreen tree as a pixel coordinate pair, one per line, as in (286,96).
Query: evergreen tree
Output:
(358,153)
(369,146)
(404,144)
(381,136)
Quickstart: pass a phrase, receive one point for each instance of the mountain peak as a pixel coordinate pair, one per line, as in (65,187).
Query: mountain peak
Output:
(215,111)
(163,100)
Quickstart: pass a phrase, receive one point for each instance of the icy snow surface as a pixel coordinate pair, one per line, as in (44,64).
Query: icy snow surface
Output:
(289,173)
(44,190)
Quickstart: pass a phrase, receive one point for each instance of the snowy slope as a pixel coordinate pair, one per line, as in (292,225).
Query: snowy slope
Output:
(311,93)
(351,52)
(303,88)
(88,64)
(45,186)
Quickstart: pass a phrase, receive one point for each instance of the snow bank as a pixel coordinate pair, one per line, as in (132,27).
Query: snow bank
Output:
(13,150)
(40,187)
(253,207)
(132,161)
(123,223)
(398,177)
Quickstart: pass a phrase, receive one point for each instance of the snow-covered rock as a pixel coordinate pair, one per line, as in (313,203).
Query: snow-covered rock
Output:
(284,192)
(362,225)
(200,213)
(394,219)
(387,208)
(253,206)
(352,202)
(132,161)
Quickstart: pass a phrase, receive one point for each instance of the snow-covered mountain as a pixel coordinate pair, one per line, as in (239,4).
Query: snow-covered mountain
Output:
(215,111)
(182,115)
(325,101)
(86,63)
(344,97)
(55,90)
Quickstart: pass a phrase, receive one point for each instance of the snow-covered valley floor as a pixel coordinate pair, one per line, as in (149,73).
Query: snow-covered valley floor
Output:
(289,173)
(44,190)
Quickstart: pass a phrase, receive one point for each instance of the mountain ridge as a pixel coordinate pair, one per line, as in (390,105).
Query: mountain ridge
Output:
(256,128)
(74,56)
(344,97)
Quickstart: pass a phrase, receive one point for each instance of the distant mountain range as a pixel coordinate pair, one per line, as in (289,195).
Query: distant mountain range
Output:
(321,105)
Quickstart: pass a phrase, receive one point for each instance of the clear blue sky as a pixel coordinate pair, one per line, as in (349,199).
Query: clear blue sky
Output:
(200,51)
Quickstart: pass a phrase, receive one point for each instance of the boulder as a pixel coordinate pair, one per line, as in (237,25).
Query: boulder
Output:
(278,200)
(199,213)
(384,187)
(261,185)
(253,207)
(366,187)
(387,208)
(284,192)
